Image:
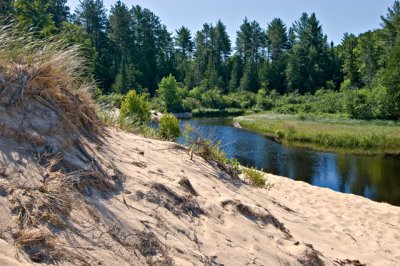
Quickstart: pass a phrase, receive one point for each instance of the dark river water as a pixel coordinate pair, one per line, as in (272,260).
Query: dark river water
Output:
(374,177)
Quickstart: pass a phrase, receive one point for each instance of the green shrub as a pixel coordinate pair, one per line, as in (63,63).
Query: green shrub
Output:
(213,99)
(169,127)
(170,94)
(255,177)
(210,151)
(190,104)
(135,107)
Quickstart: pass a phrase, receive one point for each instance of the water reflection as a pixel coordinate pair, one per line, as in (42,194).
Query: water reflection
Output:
(376,177)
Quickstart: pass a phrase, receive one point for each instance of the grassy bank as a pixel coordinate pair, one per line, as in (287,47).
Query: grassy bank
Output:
(208,112)
(329,134)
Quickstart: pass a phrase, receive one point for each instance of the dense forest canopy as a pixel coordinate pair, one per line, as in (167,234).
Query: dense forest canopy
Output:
(130,48)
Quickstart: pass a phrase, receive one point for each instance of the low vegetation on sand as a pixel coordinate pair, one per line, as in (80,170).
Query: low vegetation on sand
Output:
(256,178)
(330,134)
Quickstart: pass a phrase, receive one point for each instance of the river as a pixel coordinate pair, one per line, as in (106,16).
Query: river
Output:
(374,177)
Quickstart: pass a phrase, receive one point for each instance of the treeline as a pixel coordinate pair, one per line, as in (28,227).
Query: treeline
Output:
(130,48)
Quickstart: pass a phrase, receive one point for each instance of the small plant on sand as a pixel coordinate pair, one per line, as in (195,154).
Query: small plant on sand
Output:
(255,177)
(135,107)
(169,127)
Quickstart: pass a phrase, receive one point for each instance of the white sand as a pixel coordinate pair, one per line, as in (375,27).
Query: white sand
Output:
(226,224)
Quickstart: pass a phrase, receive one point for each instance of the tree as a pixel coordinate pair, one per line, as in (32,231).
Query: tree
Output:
(120,31)
(391,72)
(6,10)
(184,47)
(277,44)
(154,52)
(169,93)
(309,59)
(213,48)
(59,11)
(250,44)
(35,13)
(91,16)
(367,58)
(349,44)
(183,43)
(391,24)
(249,81)
(250,41)
(236,67)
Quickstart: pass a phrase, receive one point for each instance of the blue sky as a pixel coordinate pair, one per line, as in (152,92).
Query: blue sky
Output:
(336,17)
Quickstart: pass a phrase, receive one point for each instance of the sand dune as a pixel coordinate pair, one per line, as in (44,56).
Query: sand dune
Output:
(73,192)
(152,217)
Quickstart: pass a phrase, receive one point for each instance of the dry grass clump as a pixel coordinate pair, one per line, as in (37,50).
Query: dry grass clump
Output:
(48,123)
(48,71)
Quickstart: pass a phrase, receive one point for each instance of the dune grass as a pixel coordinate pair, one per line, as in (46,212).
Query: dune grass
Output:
(328,134)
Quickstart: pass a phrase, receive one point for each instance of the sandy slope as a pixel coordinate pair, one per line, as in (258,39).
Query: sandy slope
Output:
(339,227)
(154,218)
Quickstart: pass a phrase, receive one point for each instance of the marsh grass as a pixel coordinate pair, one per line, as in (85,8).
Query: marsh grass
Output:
(329,134)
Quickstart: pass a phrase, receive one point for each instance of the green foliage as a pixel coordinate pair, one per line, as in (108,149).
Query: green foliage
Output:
(170,94)
(111,100)
(136,107)
(35,13)
(207,112)
(169,127)
(255,177)
(212,99)
(131,48)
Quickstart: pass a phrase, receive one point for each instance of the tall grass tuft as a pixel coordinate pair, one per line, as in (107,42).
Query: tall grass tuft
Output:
(48,70)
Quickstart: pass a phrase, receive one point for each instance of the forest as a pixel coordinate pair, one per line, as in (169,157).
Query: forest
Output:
(290,69)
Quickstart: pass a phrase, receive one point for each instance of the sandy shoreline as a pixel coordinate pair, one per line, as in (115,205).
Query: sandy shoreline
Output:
(339,226)
(228,222)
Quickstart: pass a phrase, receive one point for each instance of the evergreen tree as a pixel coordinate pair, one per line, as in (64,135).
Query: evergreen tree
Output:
(250,44)
(91,16)
(392,78)
(349,44)
(122,38)
(391,24)
(249,81)
(309,59)
(391,71)
(236,73)
(154,48)
(183,54)
(6,10)
(59,11)
(35,13)
(277,44)
(367,59)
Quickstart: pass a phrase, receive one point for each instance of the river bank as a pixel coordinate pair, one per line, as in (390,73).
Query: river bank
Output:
(337,135)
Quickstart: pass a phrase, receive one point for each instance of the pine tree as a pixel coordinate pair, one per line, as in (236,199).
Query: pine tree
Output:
(277,43)
(367,59)
(349,44)
(310,70)
(183,53)
(35,13)
(6,10)
(91,16)
(59,11)
(236,73)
